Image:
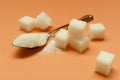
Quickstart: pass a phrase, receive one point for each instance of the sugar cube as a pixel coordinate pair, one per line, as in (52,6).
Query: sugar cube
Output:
(62,39)
(80,45)
(76,28)
(43,20)
(104,62)
(96,31)
(27,23)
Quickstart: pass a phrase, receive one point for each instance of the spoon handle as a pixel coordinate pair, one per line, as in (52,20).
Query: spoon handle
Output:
(86,18)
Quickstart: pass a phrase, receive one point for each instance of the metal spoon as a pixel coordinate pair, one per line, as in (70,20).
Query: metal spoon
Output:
(33,40)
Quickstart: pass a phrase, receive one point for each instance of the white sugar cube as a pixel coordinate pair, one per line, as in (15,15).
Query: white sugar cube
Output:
(104,62)
(62,39)
(80,45)
(76,28)
(96,31)
(43,20)
(27,23)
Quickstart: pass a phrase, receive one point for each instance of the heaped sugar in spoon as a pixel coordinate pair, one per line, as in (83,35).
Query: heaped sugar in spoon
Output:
(33,40)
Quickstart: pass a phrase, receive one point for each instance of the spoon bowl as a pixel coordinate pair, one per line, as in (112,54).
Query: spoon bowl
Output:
(31,40)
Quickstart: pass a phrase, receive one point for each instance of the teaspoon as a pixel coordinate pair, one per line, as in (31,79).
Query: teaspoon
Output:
(33,40)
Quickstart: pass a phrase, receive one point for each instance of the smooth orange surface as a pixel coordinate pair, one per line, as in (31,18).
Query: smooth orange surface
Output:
(27,64)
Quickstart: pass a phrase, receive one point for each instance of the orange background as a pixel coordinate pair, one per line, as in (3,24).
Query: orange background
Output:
(22,64)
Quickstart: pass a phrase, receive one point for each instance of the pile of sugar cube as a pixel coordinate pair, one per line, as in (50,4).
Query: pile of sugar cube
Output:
(78,41)
(43,21)
(74,37)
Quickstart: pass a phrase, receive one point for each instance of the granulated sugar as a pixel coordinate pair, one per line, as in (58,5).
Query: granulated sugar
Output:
(51,47)
(31,40)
